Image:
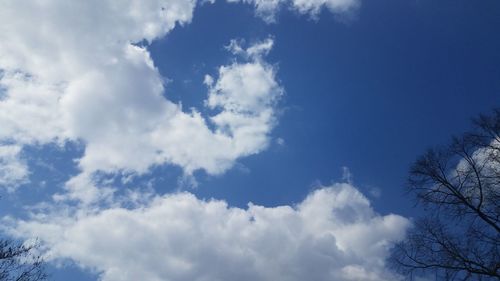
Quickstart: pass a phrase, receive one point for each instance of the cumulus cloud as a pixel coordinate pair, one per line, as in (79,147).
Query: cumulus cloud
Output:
(267,9)
(79,73)
(331,235)
(13,170)
(81,53)
(61,40)
(74,73)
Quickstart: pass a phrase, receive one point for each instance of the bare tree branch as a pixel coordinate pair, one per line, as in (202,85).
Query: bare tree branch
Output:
(20,262)
(459,185)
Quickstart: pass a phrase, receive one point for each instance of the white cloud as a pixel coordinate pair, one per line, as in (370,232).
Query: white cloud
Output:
(64,51)
(332,235)
(61,40)
(13,170)
(485,161)
(29,111)
(267,9)
(72,73)
(313,7)
(256,51)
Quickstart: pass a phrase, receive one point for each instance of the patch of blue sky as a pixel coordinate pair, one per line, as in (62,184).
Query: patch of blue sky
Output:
(371,94)
(50,166)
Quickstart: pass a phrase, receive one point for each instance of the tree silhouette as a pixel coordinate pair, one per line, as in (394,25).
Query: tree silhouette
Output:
(20,262)
(459,187)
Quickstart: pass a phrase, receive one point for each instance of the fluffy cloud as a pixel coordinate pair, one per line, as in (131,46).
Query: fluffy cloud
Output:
(332,235)
(73,73)
(60,41)
(13,170)
(267,8)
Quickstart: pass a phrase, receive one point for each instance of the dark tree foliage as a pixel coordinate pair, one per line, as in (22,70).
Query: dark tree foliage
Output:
(459,186)
(19,262)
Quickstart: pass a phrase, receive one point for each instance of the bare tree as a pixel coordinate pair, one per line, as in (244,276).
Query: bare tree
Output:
(459,185)
(20,262)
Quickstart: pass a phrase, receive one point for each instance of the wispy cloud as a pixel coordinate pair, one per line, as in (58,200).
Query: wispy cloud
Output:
(267,9)
(13,169)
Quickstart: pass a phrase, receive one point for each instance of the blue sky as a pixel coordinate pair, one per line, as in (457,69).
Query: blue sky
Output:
(127,161)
